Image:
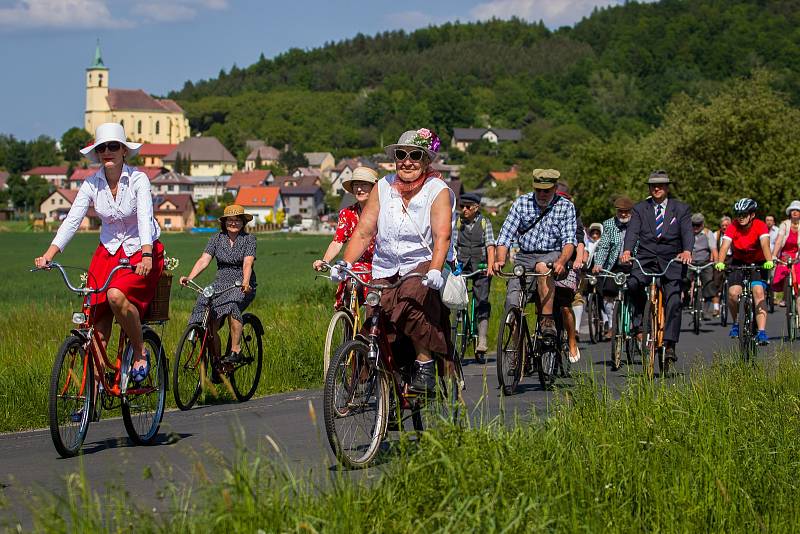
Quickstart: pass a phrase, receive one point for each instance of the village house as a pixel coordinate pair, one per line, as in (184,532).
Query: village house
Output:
(447,171)
(3,180)
(344,170)
(208,157)
(153,154)
(256,178)
(55,175)
(145,119)
(174,212)
(80,175)
(307,171)
(263,203)
(495,177)
(463,137)
(321,161)
(262,155)
(301,197)
(56,206)
(294,181)
(171,183)
(209,186)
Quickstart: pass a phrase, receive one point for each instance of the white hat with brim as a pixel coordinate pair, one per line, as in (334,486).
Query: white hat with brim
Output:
(794,205)
(412,140)
(106,132)
(360,174)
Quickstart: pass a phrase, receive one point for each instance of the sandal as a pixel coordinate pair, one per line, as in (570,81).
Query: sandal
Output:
(140,374)
(575,358)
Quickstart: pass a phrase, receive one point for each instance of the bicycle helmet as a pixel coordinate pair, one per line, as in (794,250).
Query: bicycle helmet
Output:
(745,206)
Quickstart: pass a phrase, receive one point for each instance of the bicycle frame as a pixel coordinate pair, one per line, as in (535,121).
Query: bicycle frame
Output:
(790,300)
(209,324)
(655,295)
(696,294)
(747,334)
(470,314)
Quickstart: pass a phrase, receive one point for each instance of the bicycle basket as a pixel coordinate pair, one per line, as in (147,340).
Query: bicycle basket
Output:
(159,307)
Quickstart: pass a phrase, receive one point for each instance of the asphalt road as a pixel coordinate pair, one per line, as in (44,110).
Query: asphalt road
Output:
(287,427)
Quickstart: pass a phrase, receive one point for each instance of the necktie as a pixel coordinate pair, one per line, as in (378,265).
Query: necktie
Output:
(659,221)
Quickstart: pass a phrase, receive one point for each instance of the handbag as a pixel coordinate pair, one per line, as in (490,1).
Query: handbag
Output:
(454,291)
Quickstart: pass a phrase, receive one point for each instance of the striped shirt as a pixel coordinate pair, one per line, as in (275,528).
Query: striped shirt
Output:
(555,231)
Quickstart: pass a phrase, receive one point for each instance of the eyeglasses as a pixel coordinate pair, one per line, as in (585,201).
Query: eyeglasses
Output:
(364,186)
(468,206)
(413,155)
(697,225)
(113,146)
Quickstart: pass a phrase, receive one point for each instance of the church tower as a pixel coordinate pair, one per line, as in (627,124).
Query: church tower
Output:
(97,108)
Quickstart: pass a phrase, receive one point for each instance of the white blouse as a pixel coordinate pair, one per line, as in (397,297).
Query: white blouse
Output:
(398,247)
(127,220)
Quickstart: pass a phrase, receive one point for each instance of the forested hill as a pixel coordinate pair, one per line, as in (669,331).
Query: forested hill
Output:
(610,73)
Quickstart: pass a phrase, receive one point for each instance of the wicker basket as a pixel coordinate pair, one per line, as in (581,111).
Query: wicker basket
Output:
(159,306)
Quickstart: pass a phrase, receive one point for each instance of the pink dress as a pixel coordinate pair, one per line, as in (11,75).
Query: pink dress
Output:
(789,251)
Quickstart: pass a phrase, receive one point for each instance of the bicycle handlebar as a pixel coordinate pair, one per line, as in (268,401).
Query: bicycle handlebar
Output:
(525,273)
(619,278)
(123,264)
(790,261)
(654,275)
(474,273)
(354,276)
(698,268)
(211,293)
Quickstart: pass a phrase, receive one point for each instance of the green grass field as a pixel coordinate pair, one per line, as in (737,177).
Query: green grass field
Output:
(717,451)
(35,311)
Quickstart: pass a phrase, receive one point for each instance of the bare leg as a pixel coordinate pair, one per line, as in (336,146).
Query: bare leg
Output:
(761,307)
(236,334)
(733,302)
(546,288)
(128,317)
(569,326)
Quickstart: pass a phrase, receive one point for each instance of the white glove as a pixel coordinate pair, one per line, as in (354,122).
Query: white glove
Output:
(433,279)
(337,274)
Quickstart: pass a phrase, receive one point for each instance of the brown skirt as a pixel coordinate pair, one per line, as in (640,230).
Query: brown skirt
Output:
(414,313)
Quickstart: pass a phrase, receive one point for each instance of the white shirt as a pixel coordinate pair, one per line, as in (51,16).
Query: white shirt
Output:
(398,246)
(663,206)
(127,220)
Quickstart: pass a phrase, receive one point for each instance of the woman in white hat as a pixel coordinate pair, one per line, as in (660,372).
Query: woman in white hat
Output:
(786,247)
(121,197)
(235,251)
(360,185)
(411,215)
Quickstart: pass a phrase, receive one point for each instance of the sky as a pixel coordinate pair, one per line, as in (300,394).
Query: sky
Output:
(156,45)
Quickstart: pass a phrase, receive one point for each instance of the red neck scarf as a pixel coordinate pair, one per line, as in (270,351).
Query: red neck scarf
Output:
(404,188)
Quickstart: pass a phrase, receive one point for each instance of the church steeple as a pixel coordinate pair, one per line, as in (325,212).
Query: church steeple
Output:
(98,58)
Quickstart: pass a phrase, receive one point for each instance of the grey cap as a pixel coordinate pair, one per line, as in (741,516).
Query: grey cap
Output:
(698,218)
(658,177)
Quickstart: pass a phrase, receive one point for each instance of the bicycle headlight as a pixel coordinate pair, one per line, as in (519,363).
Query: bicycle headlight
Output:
(78,318)
(620,278)
(373,298)
(592,280)
(519,270)
(208,292)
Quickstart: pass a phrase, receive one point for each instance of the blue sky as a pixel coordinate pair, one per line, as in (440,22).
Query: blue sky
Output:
(157,45)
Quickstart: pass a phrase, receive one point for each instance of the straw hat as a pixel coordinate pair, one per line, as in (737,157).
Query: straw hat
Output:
(235,210)
(423,138)
(360,174)
(110,131)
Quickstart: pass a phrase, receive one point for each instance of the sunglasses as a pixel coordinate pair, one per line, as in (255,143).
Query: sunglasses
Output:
(413,155)
(697,225)
(113,146)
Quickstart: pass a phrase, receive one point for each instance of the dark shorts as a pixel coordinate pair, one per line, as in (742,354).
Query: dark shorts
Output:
(757,277)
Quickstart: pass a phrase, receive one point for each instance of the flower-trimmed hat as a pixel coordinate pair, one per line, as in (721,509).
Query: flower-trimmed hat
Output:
(422,138)
(110,131)
(235,210)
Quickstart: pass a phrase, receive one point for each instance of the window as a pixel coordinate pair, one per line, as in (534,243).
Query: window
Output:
(100,82)
(60,201)
(158,127)
(122,123)
(167,222)
(139,127)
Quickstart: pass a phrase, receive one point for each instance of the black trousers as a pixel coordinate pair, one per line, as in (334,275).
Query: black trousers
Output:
(671,283)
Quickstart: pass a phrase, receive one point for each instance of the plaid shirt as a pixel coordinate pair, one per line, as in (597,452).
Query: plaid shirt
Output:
(555,231)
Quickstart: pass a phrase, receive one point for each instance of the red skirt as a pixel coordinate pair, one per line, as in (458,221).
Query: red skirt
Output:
(139,290)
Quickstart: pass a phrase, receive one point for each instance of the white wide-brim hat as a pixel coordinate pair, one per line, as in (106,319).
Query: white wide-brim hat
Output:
(794,205)
(110,131)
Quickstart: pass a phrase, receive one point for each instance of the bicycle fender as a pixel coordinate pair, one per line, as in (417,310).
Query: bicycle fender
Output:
(362,338)
(256,323)
(81,333)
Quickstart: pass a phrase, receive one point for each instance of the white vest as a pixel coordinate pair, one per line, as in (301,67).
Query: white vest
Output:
(398,247)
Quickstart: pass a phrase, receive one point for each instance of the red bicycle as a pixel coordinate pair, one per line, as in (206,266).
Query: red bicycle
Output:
(84,381)
(364,375)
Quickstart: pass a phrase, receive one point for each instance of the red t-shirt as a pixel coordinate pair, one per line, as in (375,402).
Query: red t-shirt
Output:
(746,244)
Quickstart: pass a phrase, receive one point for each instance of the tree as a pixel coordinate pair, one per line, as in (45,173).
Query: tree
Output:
(259,162)
(72,141)
(292,160)
(178,163)
(43,151)
(187,166)
(28,194)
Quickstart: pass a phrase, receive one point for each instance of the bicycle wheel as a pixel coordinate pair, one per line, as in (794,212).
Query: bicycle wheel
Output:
(697,309)
(143,405)
(747,341)
(468,340)
(245,376)
(356,405)
(791,324)
(723,305)
(188,367)
(770,297)
(443,408)
(340,329)
(510,352)
(648,344)
(591,311)
(545,355)
(71,397)
(617,327)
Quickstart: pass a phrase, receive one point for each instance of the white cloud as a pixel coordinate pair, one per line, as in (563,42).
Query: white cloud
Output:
(175,10)
(410,20)
(59,14)
(554,13)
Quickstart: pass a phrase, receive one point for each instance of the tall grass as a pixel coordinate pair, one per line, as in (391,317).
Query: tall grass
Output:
(715,452)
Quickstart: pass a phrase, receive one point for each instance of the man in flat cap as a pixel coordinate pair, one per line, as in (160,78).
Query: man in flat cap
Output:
(607,255)
(661,228)
(544,225)
(475,246)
